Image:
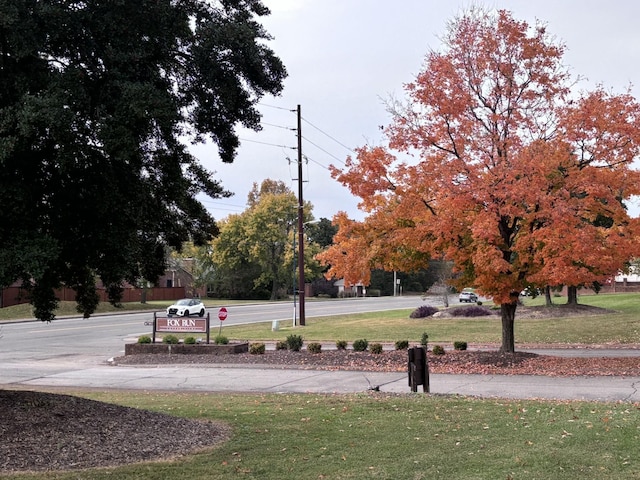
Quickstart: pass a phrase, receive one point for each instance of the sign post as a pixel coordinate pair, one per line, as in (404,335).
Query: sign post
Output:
(222,315)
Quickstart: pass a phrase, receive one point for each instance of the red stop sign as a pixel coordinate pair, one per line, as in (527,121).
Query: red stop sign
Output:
(222,313)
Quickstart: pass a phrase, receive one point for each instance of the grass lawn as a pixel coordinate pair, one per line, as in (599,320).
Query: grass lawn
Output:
(391,326)
(415,436)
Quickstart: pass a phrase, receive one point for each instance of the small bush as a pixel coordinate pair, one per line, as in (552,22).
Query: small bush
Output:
(423,311)
(475,311)
(402,344)
(221,340)
(479,302)
(460,345)
(144,339)
(281,345)
(360,345)
(170,339)
(424,340)
(256,348)
(341,344)
(376,348)
(314,347)
(294,342)
(373,292)
(438,350)
(190,340)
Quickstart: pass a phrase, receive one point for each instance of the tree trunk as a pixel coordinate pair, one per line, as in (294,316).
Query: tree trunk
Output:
(572,295)
(547,296)
(508,311)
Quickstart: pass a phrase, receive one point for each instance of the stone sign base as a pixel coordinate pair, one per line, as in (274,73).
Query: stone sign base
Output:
(182,349)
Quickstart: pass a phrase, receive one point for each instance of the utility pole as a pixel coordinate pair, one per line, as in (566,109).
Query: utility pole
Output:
(301,289)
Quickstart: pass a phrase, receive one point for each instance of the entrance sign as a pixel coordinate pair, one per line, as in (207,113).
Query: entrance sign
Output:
(180,324)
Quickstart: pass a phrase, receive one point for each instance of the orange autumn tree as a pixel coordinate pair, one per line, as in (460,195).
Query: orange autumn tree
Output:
(496,164)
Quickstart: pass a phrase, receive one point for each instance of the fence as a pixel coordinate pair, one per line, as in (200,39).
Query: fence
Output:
(15,295)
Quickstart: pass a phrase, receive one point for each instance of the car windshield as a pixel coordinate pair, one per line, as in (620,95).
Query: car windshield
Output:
(183,302)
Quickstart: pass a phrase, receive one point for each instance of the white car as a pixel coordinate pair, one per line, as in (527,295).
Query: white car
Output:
(468,295)
(186,307)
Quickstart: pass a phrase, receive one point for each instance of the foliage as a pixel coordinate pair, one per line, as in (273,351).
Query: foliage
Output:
(473,311)
(402,344)
(459,345)
(314,347)
(221,340)
(438,350)
(376,348)
(190,340)
(170,339)
(294,342)
(423,311)
(99,102)
(532,177)
(424,339)
(341,344)
(253,255)
(281,345)
(144,339)
(360,345)
(257,348)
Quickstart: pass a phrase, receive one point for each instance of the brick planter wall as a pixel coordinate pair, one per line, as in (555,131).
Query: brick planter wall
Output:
(182,349)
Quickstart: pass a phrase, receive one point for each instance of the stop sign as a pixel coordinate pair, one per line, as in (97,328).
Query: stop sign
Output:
(222,313)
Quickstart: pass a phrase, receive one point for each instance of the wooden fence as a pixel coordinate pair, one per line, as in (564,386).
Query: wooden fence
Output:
(15,295)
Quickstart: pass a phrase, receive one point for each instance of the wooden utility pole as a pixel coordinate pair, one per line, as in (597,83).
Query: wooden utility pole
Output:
(301,289)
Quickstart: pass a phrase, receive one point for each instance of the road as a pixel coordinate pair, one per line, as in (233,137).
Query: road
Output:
(96,339)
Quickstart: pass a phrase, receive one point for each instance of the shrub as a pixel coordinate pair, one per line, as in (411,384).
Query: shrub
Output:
(256,348)
(190,340)
(376,348)
(423,311)
(220,340)
(424,340)
(144,339)
(281,345)
(402,344)
(314,347)
(475,311)
(341,344)
(170,339)
(373,292)
(438,350)
(360,345)
(294,342)
(460,345)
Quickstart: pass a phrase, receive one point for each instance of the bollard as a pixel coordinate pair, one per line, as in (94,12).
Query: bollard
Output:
(418,369)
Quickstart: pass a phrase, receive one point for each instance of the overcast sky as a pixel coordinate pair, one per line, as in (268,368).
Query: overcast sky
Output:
(346,57)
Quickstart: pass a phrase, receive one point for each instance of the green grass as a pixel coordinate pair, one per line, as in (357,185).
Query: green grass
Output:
(284,437)
(621,327)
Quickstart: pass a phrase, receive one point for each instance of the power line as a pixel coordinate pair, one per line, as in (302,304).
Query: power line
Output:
(327,135)
(267,143)
(276,107)
(325,151)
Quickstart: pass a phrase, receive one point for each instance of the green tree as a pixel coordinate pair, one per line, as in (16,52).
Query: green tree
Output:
(256,247)
(98,101)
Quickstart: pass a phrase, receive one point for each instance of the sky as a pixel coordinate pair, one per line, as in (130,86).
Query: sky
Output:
(346,58)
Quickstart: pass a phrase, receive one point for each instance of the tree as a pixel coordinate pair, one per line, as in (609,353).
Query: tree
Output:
(96,100)
(495,163)
(260,240)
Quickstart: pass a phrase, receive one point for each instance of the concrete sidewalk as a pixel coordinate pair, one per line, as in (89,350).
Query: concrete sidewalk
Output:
(255,379)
